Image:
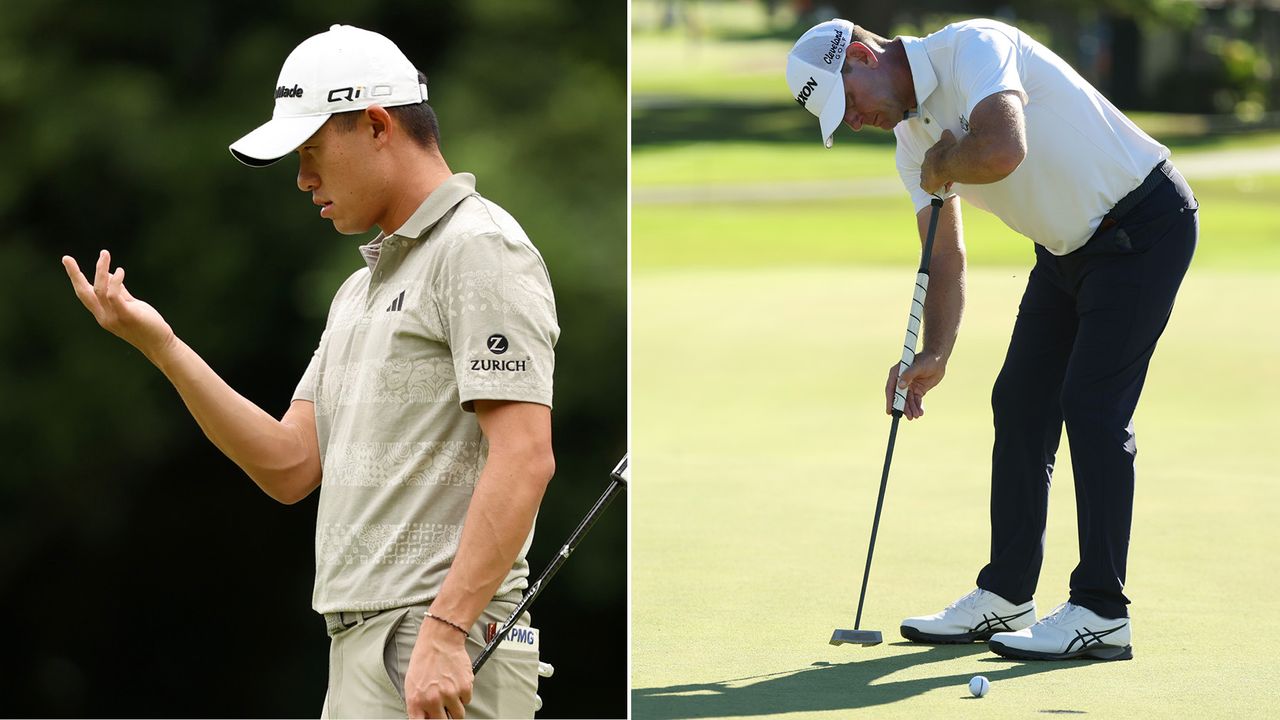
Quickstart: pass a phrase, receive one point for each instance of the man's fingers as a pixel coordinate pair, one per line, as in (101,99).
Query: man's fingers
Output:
(888,394)
(115,285)
(890,387)
(83,289)
(454,707)
(904,380)
(100,269)
(124,291)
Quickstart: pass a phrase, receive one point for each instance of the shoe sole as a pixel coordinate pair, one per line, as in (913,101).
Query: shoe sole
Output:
(1097,652)
(920,636)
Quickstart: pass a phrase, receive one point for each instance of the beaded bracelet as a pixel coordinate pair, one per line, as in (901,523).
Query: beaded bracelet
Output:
(450,623)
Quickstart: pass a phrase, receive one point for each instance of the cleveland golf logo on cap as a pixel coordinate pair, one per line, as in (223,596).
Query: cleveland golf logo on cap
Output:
(837,47)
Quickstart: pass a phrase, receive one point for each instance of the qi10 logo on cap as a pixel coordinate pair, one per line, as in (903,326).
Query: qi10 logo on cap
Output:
(350,94)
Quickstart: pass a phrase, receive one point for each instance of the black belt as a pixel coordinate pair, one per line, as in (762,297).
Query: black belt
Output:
(1163,171)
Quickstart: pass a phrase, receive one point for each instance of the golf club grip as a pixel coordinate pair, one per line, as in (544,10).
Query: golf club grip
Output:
(616,486)
(916,317)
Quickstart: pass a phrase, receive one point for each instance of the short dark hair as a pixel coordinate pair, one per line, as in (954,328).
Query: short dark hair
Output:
(419,120)
(868,38)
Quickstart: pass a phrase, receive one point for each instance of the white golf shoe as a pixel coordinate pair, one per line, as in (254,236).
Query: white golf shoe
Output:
(1068,632)
(974,617)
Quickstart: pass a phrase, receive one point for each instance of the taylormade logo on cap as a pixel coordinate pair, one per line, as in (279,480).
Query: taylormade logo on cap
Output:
(813,73)
(340,70)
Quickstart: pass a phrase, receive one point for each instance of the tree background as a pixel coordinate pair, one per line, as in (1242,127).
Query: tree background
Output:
(1188,56)
(141,573)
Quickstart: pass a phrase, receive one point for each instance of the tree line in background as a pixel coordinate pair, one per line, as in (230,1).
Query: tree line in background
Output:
(1186,56)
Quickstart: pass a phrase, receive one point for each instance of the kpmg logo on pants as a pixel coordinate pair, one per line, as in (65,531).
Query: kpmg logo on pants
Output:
(517,638)
(522,635)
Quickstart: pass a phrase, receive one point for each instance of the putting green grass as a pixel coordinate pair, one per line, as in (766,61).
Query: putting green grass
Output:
(759,433)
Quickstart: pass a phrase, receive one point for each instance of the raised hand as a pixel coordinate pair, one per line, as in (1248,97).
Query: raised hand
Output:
(116,310)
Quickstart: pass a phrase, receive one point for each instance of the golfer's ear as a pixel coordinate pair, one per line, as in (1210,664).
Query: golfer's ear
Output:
(379,122)
(862,54)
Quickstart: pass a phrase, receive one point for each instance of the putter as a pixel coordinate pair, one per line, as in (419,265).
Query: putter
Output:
(858,636)
(620,476)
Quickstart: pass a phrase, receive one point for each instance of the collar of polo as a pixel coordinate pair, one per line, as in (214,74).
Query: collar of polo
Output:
(923,77)
(441,200)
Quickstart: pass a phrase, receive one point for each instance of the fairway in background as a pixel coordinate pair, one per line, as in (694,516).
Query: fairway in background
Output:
(771,280)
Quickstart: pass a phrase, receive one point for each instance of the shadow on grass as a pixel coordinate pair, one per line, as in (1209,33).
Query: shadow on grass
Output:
(824,686)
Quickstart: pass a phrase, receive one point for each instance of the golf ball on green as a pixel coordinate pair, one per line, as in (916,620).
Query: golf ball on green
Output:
(979,685)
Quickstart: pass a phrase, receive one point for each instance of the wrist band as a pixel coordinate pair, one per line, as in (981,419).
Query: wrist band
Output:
(450,623)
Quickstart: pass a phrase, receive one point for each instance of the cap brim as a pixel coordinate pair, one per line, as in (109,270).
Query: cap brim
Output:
(832,114)
(275,139)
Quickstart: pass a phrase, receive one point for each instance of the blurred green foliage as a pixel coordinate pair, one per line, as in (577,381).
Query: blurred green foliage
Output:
(151,577)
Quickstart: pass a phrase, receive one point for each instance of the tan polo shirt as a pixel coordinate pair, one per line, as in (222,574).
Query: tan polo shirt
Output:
(453,307)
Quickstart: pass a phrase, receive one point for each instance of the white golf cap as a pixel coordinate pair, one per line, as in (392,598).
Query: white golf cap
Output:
(343,69)
(813,73)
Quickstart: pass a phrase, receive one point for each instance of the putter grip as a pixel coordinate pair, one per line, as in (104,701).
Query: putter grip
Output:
(914,321)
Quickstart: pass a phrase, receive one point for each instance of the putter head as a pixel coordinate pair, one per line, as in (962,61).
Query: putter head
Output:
(856,637)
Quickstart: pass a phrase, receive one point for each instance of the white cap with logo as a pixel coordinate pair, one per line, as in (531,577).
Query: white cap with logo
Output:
(813,73)
(343,69)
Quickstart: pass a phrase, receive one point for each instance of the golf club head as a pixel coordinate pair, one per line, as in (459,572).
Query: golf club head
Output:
(856,637)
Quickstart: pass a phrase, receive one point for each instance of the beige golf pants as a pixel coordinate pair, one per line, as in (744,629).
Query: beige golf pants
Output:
(368,661)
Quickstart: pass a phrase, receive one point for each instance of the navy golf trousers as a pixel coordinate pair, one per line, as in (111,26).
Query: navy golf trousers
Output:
(1086,329)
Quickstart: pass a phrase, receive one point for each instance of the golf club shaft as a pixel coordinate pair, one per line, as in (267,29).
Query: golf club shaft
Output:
(620,477)
(875,524)
(914,322)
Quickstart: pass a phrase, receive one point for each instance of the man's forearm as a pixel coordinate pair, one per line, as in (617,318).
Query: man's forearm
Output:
(994,146)
(978,159)
(944,305)
(502,512)
(276,454)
